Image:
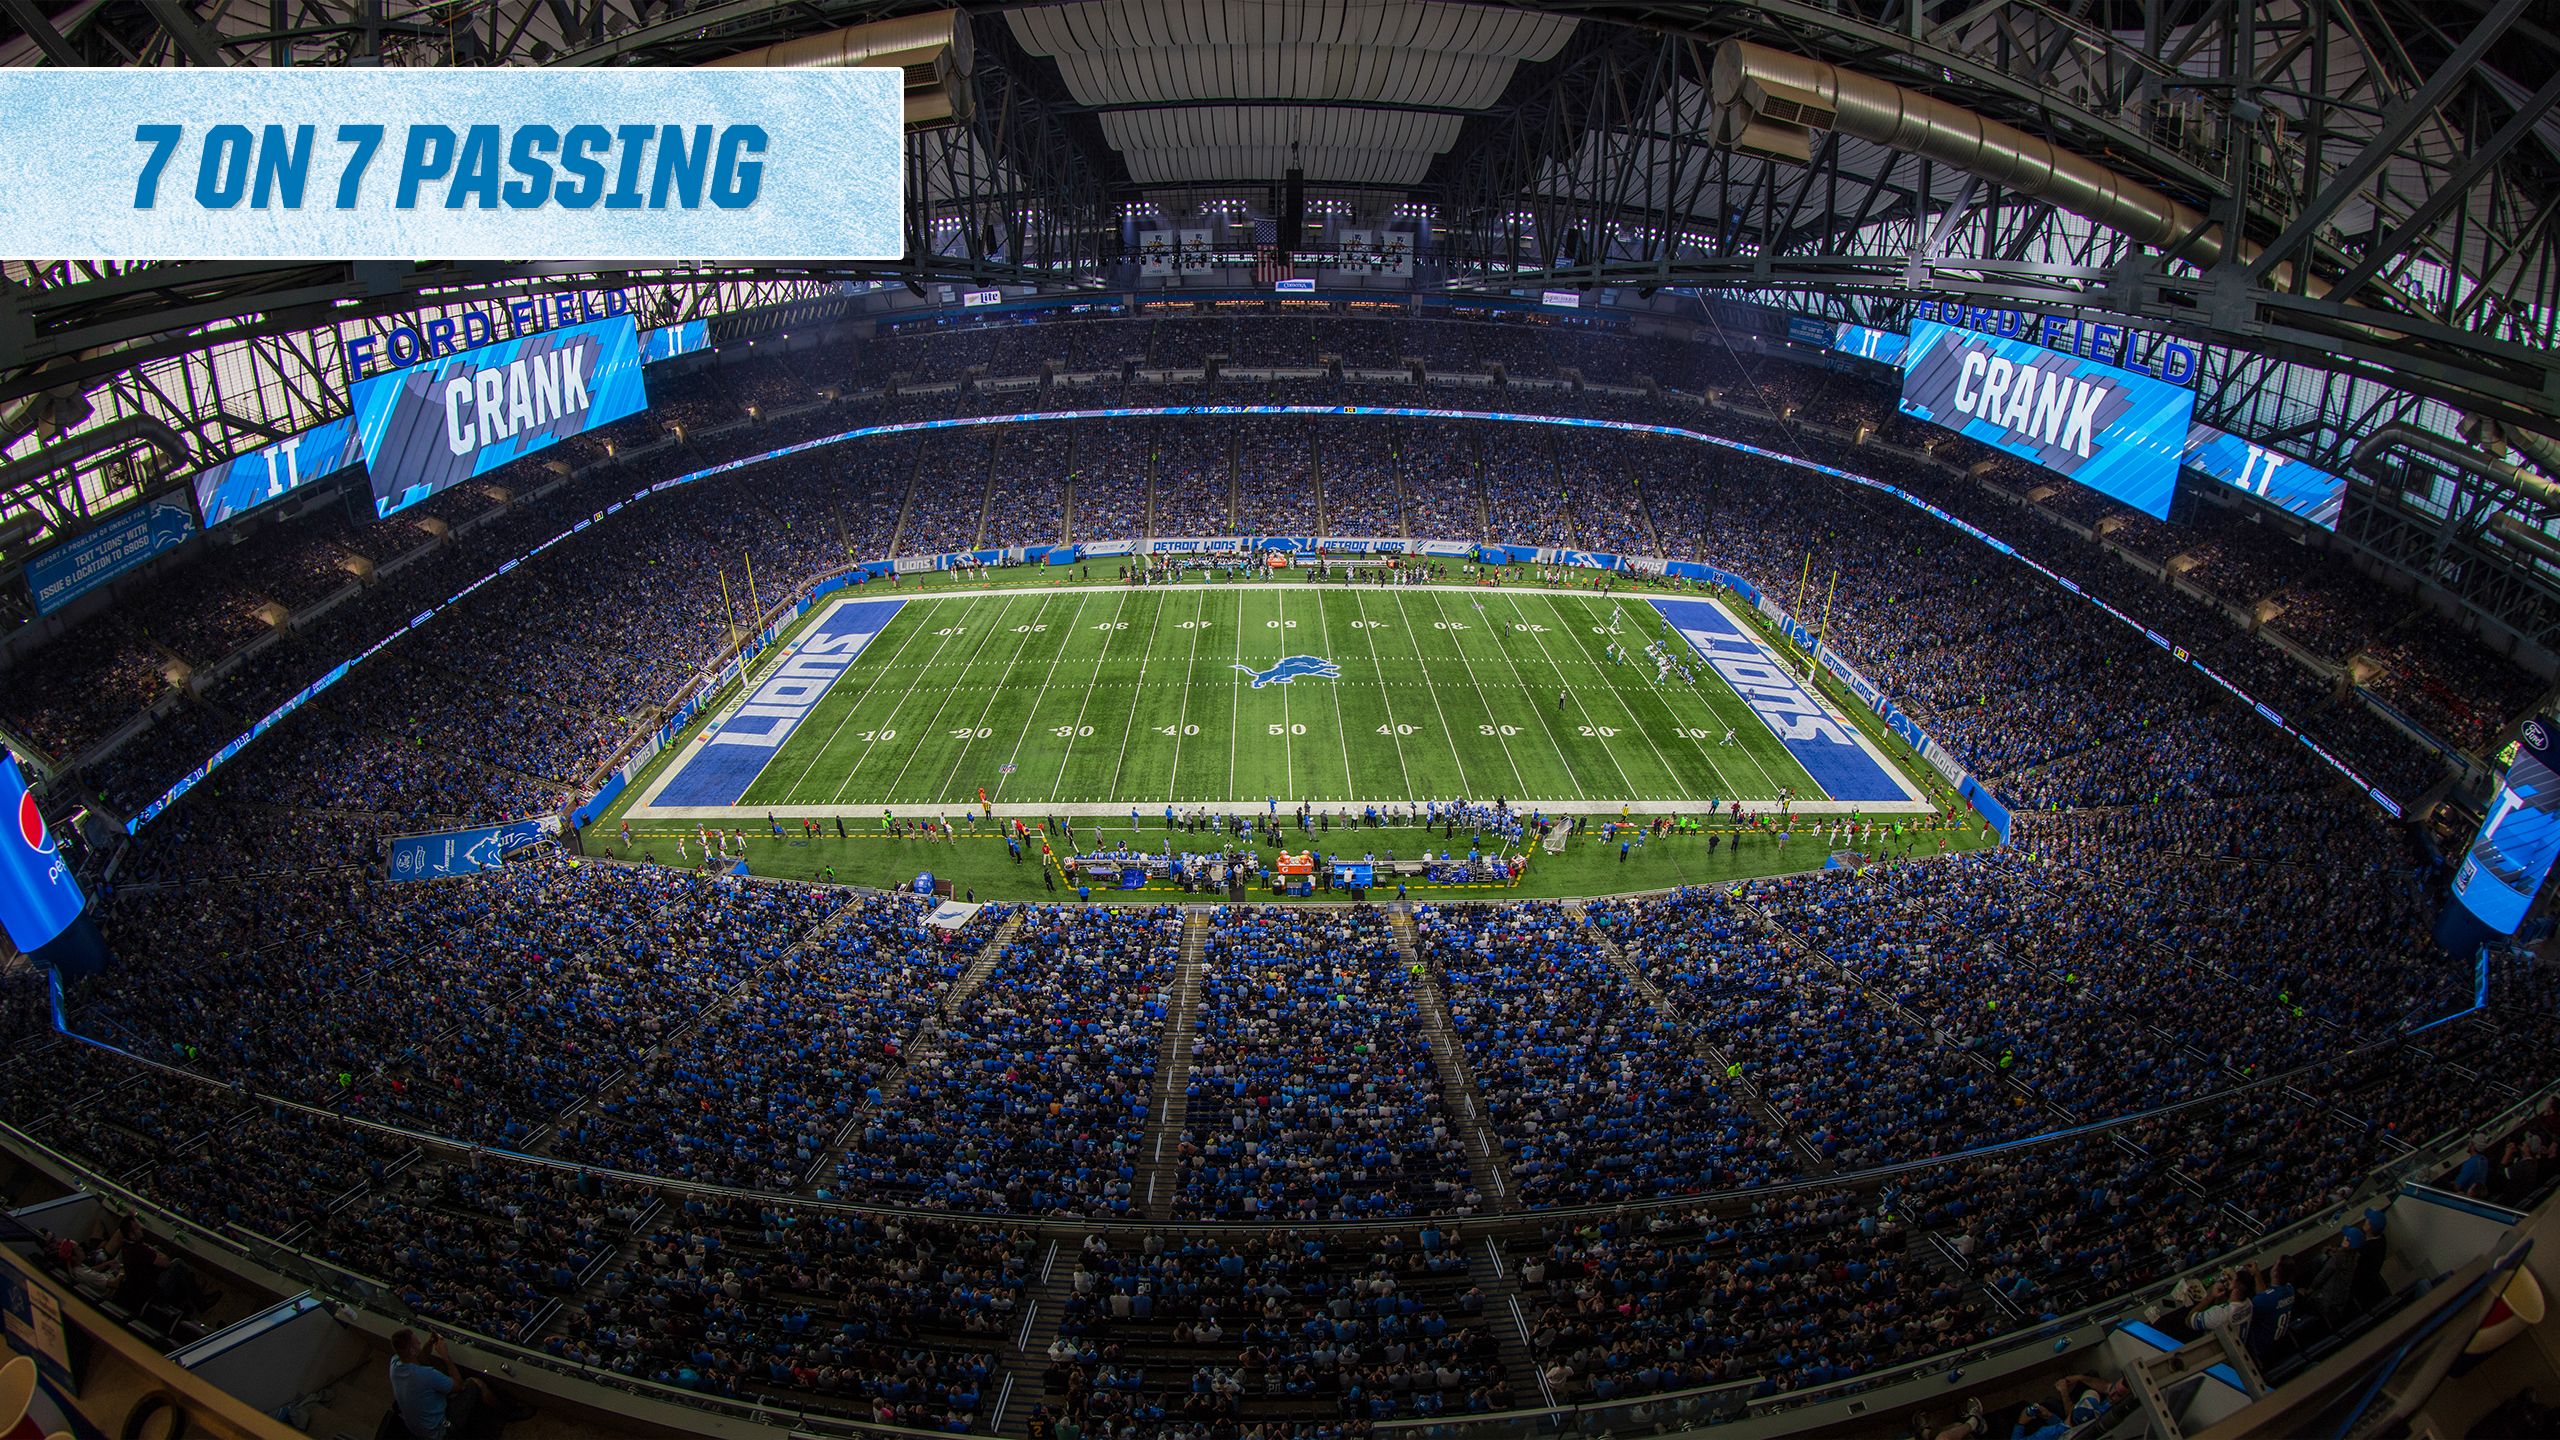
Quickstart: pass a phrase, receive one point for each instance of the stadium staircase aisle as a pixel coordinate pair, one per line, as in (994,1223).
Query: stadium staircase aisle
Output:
(987,489)
(1722,1063)
(1235,468)
(1315,475)
(980,968)
(1169,1108)
(1396,439)
(1153,443)
(1025,1356)
(539,1142)
(907,498)
(1485,1163)
(1475,485)
(1644,512)
(920,1047)
(1507,1305)
(1067,494)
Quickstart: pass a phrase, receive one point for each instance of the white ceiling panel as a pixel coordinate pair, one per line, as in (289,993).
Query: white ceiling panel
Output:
(1195,53)
(1226,142)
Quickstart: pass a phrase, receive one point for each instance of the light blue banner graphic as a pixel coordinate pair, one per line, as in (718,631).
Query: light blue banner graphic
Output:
(83,563)
(272,472)
(497,163)
(1832,751)
(464,852)
(2521,837)
(2279,479)
(737,747)
(666,342)
(2110,429)
(430,427)
(1881,346)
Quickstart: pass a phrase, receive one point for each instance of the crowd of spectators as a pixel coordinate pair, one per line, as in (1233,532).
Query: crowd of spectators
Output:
(1031,1098)
(1206,1332)
(1593,1093)
(2192,911)
(1312,1094)
(1363,491)
(1111,466)
(804,514)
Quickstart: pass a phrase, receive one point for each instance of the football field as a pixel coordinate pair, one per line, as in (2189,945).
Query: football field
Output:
(1099,699)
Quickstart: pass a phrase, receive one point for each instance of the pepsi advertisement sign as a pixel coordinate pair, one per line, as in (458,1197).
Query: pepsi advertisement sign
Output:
(2519,840)
(38,897)
(2114,431)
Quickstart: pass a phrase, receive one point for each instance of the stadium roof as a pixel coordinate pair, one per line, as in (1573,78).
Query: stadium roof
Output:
(2353,205)
(1194,91)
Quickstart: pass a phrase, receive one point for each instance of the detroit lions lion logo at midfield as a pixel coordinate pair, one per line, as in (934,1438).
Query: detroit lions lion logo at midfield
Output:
(1296,667)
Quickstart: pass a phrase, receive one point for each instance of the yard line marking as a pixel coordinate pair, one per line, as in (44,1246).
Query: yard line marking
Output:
(1626,787)
(922,670)
(1068,754)
(1288,747)
(1342,727)
(1672,775)
(1508,758)
(1034,717)
(1129,726)
(889,792)
(1237,688)
(1722,783)
(1183,720)
(1523,686)
(1405,619)
(883,673)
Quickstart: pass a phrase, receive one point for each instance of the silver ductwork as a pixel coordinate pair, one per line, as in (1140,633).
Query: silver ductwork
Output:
(1767,101)
(2515,532)
(2489,435)
(72,449)
(934,49)
(2515,478)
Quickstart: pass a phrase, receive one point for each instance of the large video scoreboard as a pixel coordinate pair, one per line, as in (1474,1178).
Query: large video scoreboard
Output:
(2519,840)
(428,427)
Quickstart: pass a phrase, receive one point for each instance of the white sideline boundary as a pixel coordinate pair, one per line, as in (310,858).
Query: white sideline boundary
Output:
(1152,816)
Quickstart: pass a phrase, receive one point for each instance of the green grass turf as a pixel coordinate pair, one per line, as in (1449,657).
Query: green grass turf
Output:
(1133,696)
(1588,867)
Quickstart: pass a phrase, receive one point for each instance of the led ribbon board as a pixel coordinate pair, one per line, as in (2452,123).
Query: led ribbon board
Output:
(2112,430)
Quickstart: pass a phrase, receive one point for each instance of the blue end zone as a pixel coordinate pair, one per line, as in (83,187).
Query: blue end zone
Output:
(1828,749)
(738,746)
